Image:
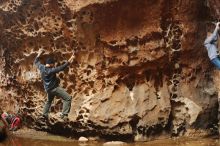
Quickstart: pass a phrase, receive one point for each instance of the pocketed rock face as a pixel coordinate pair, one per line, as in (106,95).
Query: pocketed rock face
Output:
(214,8)
(141,69)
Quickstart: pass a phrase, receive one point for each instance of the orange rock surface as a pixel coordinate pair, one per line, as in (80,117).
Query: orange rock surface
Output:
(141,68)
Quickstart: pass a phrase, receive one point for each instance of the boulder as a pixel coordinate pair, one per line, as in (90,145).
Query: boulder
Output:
(83,139)
(112,143)
(140,65)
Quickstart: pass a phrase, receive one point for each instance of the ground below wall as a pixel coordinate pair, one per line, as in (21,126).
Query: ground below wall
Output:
(141,70)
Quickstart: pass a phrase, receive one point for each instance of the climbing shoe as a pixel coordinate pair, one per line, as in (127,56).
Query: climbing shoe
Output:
(64,117)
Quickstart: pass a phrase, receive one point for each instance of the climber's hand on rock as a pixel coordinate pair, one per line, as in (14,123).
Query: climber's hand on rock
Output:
(40,52)
(71,58)
(218,25)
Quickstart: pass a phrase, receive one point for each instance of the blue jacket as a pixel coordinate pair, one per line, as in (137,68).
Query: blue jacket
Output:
(211,44)
(48,74)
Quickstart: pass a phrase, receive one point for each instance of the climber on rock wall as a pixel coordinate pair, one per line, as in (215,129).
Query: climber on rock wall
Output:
(211,44)
(13,121)
(51,84)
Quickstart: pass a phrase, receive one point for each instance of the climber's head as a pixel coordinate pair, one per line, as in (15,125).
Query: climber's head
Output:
(50,62)
(4,115)
(209,34)
(210,27)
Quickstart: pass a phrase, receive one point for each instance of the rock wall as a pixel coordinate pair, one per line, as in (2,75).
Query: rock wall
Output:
(141,69)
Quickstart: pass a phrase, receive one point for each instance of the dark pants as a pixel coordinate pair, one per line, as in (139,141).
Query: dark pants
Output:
(60,92)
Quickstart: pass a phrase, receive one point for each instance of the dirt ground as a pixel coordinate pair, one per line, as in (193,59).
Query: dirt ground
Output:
(33,134)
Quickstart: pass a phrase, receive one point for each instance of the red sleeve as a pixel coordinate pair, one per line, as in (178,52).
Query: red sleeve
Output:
(16,122)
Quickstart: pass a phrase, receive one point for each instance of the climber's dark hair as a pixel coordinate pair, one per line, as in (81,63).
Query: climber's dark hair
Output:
(50,61)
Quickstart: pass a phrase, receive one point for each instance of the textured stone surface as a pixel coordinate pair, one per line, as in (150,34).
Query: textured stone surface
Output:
(214,8)
(114,143)
(83,139)
(141,69)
